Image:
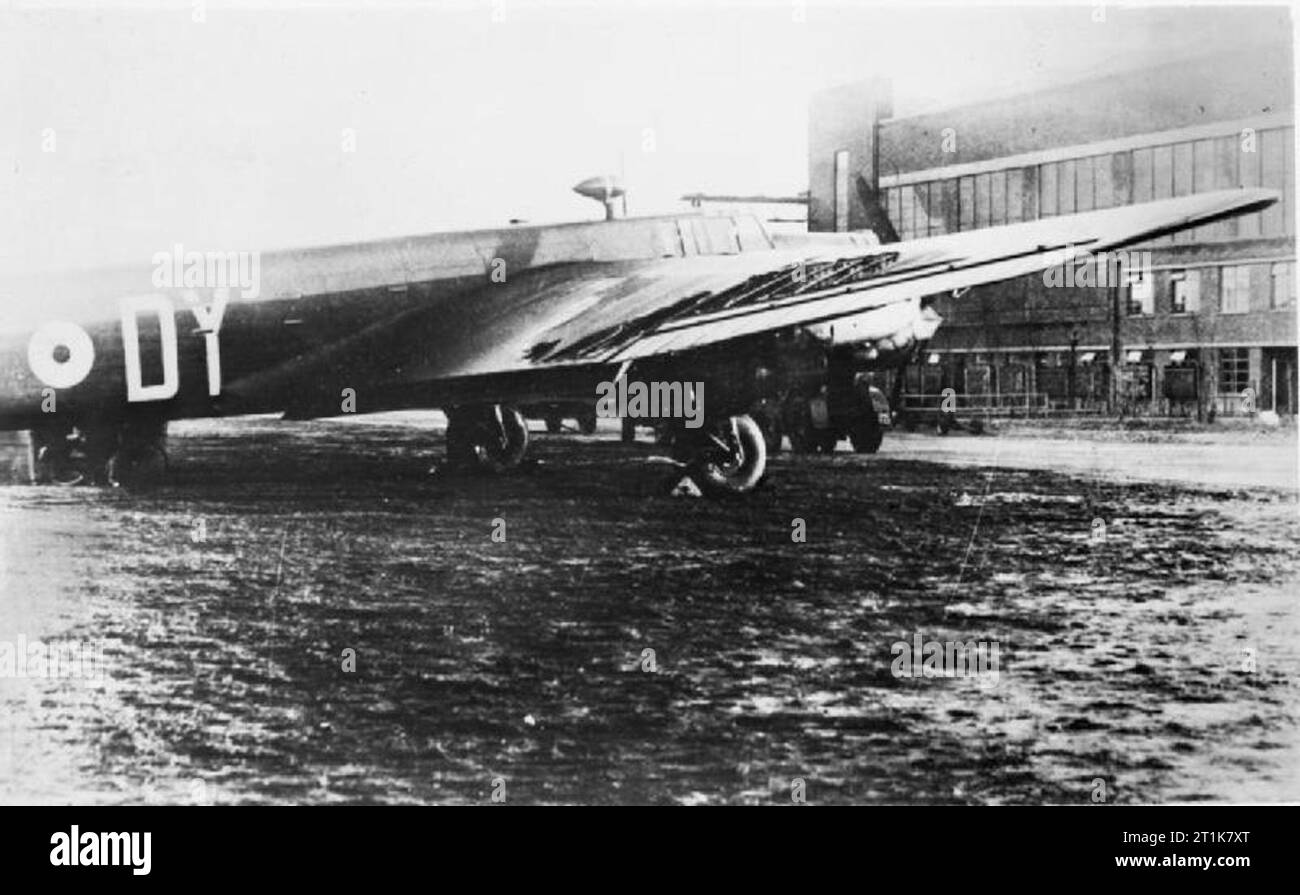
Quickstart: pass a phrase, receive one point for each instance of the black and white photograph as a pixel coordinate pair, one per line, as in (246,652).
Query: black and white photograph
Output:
(647,404)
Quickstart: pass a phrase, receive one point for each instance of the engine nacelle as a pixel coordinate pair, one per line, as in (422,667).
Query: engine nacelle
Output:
(881,336)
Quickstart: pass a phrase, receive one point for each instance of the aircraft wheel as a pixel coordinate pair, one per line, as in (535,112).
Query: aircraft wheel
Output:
(55,466)
(731,456)
(58,457)
(137,466)
(132,455)
(492,438)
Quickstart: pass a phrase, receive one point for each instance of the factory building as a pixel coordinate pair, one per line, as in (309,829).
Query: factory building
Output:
(1206,323)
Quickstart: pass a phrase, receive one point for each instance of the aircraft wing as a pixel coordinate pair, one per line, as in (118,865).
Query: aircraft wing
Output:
(605,312)
(808,289)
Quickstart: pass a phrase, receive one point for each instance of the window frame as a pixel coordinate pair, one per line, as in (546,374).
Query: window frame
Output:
(1190,293)
(1239,276)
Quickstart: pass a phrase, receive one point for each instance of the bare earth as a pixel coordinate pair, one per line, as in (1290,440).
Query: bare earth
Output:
(523,664)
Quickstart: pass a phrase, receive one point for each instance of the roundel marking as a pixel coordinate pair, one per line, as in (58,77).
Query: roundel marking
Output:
(60,354)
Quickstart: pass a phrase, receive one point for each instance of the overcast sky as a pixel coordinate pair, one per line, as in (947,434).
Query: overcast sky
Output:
(233,133)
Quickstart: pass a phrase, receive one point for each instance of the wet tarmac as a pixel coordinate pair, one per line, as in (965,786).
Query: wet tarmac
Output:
(1147,629)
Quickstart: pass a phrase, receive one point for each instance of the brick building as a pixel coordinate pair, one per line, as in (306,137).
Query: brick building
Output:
(1212,328)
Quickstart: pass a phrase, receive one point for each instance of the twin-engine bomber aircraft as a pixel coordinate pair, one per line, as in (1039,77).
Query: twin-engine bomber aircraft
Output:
(480,323)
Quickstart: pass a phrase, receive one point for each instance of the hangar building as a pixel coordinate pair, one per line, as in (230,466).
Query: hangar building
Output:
(1210,330)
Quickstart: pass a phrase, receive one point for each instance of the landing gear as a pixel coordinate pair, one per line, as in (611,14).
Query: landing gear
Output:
(129,454)
(867,434)
(58,457)
(488,437)
(587,422)
(140,460)
(725,456)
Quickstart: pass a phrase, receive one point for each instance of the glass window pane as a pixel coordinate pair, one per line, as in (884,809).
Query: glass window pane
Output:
(1103,186)
(1205,167)
(1083,185)
(998,198)
(1288,189)
(1273,174)
(1247,151)
(920,210)
(936,208)
(1183,155)
(1186,292)
(1281,294)
(1047,175)
(1143,182)
(1162,172)
(1162,180)
(951,206)
(1030,192)
(1223,163)
(1065,187)
(841,190)
(982,200)
(1182,160)
(1015,195)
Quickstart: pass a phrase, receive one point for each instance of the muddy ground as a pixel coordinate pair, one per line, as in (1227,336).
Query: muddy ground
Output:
(1127,612)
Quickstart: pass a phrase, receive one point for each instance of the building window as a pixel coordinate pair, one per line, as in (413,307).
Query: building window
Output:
(1184,153)
(1143,175)
(966,203)
(983,202)
(1272,160)
(1084,189)
(841,190)
(947,208)
(1162,171)
(1234,290)
(1234,370)
(1186,288)
(1141,295)
(1065,187)
(1103,181)
(921,210)
(1047,178)
(893,206)
(1015,195)
(1283,292)
(998,198)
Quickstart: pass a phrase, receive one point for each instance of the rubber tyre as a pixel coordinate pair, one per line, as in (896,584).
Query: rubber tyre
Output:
(739,475)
